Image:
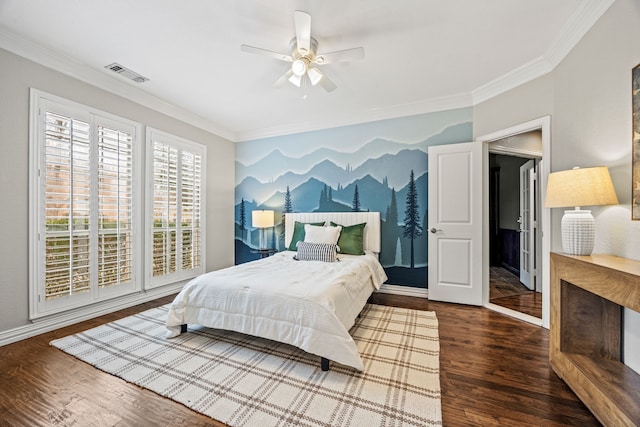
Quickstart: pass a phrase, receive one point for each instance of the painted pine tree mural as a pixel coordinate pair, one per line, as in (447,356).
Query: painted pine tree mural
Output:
(392,210)
(355,206)
(412,225)
(287,208)
(390,232)
(243,219)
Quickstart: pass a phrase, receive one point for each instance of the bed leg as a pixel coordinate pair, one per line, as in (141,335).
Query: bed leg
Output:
(183,328)
(324,364)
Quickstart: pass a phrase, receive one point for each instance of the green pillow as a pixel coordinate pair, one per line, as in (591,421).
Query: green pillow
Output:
(298,233)
(351,240)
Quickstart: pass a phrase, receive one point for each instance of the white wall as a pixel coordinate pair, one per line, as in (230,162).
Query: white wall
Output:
(588,96)
(526,102)
(17,75)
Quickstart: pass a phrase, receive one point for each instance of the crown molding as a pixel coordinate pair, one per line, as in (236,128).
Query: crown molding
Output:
(70,66)
(527,72)
(572,32)
(369,115)
(575,28)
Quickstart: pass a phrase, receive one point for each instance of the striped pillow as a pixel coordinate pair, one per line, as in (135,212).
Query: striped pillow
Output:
(317,252)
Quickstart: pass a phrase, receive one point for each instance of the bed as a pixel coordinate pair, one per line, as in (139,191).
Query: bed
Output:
(307,304)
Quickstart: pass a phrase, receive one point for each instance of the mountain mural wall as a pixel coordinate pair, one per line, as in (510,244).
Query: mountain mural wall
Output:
(379,166)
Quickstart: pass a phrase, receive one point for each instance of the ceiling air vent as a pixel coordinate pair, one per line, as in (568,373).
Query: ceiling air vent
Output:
(125,72)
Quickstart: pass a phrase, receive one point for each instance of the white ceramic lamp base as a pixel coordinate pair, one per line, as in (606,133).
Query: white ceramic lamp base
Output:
(578,232)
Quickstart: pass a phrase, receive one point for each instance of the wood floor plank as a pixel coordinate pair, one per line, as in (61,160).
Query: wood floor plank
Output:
(506,290)
(494,372)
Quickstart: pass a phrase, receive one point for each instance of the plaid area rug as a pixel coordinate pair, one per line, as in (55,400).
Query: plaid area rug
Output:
(247,381)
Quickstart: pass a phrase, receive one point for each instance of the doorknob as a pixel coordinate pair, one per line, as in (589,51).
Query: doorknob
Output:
(434,231)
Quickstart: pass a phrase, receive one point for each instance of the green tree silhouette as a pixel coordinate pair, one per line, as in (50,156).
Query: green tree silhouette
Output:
(288,207)
(412,226)
(355,206)
(243,220)
(326,196)
(392,210)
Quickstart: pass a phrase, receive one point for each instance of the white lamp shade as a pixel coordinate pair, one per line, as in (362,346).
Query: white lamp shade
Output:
(580,187)
(262,219)
(295,79)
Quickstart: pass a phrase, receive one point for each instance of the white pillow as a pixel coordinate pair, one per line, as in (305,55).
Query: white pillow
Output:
(317,234)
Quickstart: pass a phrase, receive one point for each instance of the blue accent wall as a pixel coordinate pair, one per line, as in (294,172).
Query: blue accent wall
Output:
(321,170)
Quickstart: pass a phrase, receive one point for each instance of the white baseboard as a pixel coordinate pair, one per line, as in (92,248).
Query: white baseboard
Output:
(516,314)
(404,290)
(61,320)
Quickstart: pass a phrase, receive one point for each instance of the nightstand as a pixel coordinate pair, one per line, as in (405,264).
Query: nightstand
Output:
(264,252)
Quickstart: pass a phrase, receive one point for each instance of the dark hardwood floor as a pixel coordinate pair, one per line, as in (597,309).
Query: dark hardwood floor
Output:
(494,371)
(506,290)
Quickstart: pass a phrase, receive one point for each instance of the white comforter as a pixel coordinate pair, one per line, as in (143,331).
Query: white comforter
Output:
(308,304)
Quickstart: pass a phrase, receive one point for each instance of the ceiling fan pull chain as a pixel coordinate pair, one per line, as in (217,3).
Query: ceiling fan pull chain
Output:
(304,85)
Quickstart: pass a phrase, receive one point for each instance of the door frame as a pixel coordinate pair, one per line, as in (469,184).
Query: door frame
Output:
(544,125)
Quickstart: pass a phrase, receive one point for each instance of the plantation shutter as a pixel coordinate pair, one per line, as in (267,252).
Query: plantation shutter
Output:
(191,168)
(67,205)
(176,234)
(115,206)
(165,208)
(85,211)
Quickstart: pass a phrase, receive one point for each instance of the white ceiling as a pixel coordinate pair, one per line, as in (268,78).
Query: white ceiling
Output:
(420,55)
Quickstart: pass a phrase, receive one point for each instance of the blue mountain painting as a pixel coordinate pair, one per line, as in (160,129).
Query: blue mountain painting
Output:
(390,177)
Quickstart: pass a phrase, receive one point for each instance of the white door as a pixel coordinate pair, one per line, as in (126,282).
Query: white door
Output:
(455,223)
(527,224)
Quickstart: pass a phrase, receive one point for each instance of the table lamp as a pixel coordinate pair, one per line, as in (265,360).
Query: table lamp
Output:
(579,187)
(262,219)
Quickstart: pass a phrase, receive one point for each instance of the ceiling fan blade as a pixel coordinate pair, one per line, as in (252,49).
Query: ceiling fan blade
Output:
(354,54)
(265,52)
(327,84)
(283,78)
(303,31)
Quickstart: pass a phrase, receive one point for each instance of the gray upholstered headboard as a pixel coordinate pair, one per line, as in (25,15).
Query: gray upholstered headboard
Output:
(371,231)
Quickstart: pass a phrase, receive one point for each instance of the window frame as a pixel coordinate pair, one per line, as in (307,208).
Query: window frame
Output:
(40,102)
(155,135)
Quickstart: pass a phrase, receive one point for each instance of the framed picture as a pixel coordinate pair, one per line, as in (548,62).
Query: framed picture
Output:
(635,96)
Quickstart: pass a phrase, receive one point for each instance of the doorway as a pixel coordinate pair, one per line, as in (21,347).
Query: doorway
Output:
(513,226)
(513,141)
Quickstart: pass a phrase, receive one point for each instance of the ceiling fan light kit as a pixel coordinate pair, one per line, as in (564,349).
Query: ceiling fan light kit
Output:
(314,76)
(304,56)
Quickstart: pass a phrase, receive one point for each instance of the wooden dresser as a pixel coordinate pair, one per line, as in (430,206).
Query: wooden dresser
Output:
(585,349)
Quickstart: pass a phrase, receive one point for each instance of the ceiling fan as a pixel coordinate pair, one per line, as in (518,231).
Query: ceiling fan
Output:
(304,57)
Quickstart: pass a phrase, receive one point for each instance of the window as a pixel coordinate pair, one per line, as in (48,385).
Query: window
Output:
(86,194)
(176,178)
(84,191)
